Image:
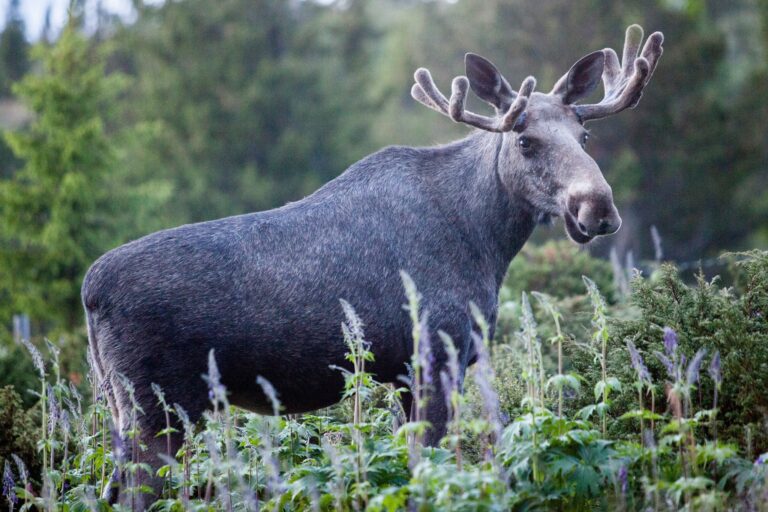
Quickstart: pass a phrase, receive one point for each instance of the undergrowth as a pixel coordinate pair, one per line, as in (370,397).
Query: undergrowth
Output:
(663,410)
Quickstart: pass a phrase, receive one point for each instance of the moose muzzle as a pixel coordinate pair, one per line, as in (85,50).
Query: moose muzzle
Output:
(590,212)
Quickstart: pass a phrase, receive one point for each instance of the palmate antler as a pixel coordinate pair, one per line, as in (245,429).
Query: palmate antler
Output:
(624,83)
(426,92)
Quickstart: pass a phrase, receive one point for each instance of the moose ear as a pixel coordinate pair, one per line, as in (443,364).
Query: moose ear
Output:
(581,79)
(486,81)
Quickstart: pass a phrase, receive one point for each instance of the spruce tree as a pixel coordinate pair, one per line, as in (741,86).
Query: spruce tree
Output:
(13,48)
(59,211)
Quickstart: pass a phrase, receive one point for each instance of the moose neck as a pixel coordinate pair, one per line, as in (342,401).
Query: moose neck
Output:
(494,221)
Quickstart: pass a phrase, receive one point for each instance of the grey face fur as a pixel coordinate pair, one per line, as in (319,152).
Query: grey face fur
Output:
(545,162)
(262,290)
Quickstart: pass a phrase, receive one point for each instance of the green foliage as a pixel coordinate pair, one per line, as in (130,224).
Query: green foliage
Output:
(540,460)
(717,318)
(17,371)
(556,268)
(63,208)
(17,430)
(249,105)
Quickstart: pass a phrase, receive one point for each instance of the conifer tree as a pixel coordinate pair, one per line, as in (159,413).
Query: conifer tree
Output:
(13,48)
(64,206)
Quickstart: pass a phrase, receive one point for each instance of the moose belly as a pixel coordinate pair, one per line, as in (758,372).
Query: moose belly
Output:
(301,385)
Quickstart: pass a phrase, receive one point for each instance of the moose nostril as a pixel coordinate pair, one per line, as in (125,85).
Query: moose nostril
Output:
(582,227)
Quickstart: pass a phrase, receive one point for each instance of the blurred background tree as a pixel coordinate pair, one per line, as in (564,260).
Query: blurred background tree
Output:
(181,111)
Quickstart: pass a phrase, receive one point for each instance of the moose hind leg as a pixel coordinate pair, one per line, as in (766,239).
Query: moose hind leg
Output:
(139,482)
(143,451)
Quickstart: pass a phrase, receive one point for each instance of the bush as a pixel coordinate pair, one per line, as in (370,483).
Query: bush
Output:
(707,315)
(17,371)
(555,268)
(17,430)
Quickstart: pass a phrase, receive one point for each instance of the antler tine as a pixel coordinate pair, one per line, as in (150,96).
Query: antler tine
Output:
(457,107)
(419,95)
(501,124)
(632,41)
(426,92)
(519,105)
(428,87)
(624,82)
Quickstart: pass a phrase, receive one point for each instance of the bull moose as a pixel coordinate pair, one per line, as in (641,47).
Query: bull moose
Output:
(263,289)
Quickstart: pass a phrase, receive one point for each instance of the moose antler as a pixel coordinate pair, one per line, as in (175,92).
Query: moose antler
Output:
(624,83)
(426,92)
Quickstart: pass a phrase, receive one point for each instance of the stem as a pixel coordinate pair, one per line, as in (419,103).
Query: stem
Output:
(94,420)
(531,371)
(103,450)
(540,365)
(535,465)
(168,446)
(642,424)
(187,475)
(559,335)
(714,417)
(134,458)
(64,471)
(52,452)
(44,426)
(605,387)
(560,372)
(714,428)
(457,426)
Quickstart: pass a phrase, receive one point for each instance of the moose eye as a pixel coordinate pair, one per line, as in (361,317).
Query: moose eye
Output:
(584,139)
(526,145)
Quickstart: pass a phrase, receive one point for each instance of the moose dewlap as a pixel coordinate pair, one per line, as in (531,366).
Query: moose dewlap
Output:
(262,290)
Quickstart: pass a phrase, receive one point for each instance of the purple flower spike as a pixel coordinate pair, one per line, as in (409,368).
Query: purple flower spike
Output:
(624,479)
(118,445)
(637,363)
(714,369)
(692,375)
(670,341)
(9,485)
(426,357)
(53,411)
(20,467)
(762,460)
(671,370)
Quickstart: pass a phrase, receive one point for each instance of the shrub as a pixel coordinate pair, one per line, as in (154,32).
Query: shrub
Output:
(17,371)
(708,315)
(555,268)
(17,430)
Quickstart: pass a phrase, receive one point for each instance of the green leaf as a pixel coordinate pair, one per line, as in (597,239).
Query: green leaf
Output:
(586,412)
(641,413)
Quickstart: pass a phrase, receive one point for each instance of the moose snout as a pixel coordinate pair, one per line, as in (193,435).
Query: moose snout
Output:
(594,212)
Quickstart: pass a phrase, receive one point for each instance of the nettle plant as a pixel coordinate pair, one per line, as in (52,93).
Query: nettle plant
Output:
(550,456)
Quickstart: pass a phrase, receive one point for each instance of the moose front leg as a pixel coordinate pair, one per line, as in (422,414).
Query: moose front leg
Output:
(436,411)
(441,373)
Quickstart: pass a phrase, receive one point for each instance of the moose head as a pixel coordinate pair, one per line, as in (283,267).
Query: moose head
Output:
(543,160)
